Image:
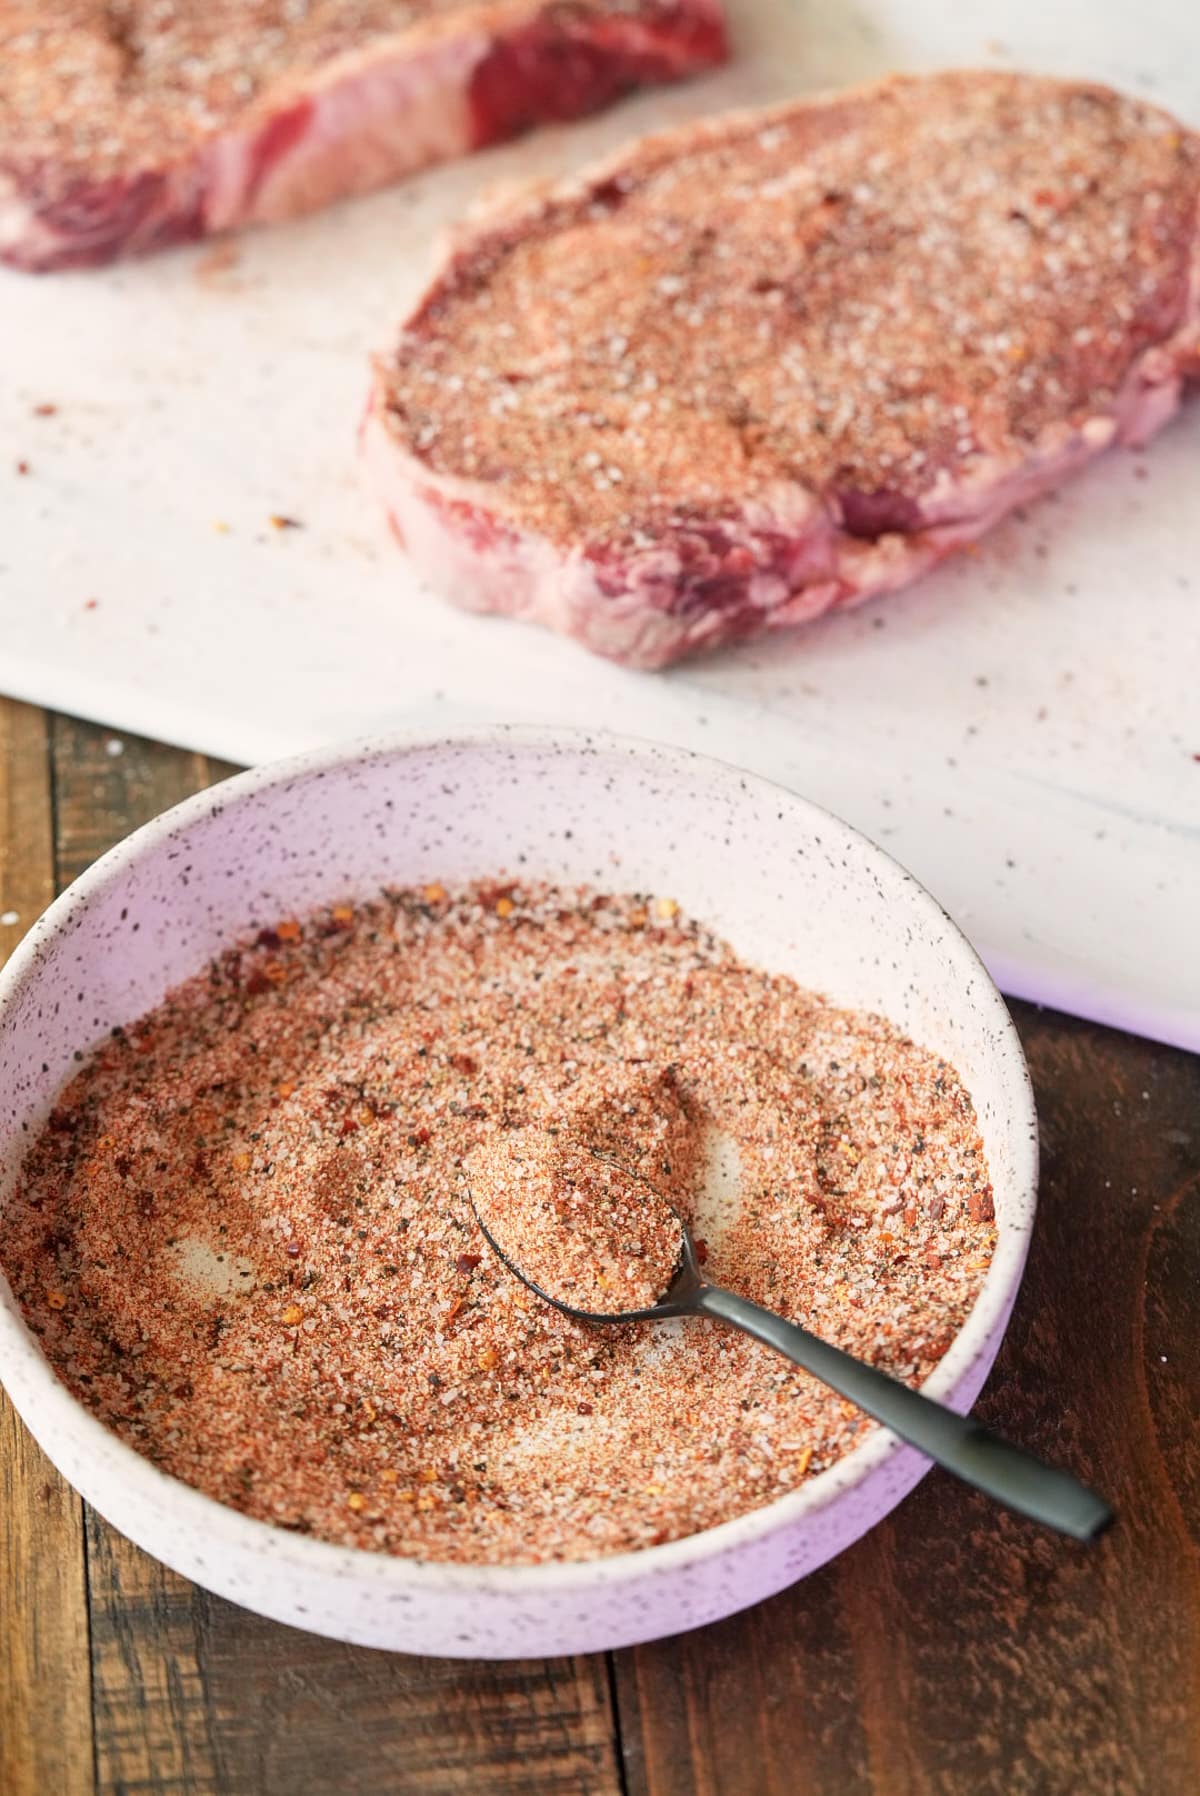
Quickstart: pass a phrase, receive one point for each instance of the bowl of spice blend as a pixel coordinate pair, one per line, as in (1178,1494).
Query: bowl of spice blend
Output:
(247,1061)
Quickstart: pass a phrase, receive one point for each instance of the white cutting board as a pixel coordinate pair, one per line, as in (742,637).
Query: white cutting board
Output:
(1022,729)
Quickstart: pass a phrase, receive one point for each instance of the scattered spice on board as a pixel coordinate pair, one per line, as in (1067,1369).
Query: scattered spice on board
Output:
(244,1242)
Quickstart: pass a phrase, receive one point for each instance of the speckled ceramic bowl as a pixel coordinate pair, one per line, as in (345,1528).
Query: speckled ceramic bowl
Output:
(792,888)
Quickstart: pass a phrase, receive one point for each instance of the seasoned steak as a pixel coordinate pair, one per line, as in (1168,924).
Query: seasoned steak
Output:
(769,365)
(128,126)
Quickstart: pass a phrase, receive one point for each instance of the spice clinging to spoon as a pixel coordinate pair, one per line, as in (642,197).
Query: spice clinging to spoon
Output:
(573,1223)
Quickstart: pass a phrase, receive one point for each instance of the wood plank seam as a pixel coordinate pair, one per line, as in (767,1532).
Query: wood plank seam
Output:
(60,885)
(47,1745)
(614,1703)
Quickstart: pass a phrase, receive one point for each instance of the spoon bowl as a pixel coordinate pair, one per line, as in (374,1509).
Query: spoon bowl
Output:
(677,1300)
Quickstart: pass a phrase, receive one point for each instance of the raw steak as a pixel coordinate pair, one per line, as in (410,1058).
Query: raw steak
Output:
(775,363)
(125,127)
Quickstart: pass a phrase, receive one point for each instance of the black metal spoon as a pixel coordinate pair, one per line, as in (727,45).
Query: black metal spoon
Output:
(955,1442)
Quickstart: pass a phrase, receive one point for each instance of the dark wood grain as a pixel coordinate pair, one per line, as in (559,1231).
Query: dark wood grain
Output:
(295,1712)
(106,783)
(150,1708)
(45,1681)
(194,1695)
(960,1649)
(152,1719)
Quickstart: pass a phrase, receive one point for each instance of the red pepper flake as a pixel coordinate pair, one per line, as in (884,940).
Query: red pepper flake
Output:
(980,1207)
(90,604)
(280,522)
(491,896)
(464,1063)
(583,1409)
(467,1262)
(349,1125)
(45,410)
(22,467)
(419,1138)
(701,1247)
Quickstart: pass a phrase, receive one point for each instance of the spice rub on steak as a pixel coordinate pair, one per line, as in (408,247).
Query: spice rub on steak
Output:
(129,126)
(758,368)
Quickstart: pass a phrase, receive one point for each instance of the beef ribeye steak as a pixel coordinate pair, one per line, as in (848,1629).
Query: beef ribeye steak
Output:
(128,126)
(771,364)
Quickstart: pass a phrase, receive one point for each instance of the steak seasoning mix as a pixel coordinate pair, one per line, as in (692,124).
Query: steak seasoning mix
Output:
(245,1240)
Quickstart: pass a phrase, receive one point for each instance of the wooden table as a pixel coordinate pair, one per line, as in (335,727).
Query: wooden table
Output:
(955,1649)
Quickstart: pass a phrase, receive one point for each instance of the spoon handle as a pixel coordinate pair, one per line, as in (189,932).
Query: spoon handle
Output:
(956,1442)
